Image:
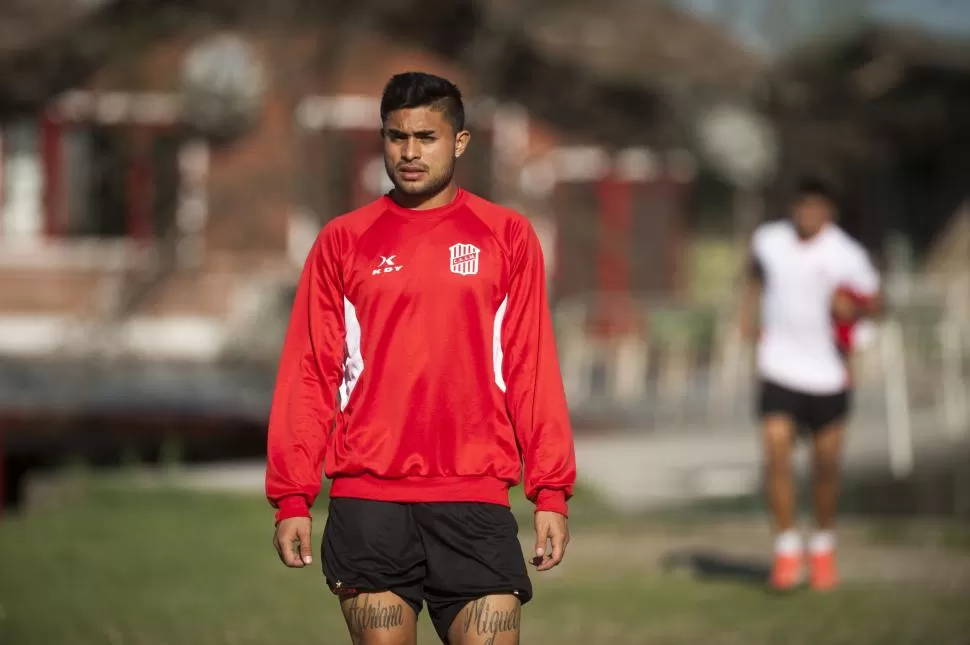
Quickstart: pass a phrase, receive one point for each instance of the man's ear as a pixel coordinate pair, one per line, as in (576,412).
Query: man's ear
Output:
(461,142)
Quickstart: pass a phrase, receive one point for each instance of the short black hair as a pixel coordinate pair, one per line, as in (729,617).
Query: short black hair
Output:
(813,186)
(418,89)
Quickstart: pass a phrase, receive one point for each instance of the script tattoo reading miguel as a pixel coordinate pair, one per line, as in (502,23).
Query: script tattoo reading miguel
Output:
(484,620)
(364,615)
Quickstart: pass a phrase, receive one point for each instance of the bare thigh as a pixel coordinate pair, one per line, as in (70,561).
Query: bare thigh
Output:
(827,448)
(492,620)
(379,619)
(778,437)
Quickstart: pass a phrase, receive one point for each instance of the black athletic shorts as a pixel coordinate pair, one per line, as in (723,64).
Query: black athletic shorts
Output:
(446,554)
(809,412)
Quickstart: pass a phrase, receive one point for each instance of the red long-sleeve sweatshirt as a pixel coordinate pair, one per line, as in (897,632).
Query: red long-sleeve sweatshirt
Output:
(420,364)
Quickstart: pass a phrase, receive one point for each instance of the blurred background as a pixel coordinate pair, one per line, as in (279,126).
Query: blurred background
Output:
(165,166)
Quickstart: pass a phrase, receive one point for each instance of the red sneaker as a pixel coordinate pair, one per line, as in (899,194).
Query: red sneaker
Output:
(824,575)
(787,572)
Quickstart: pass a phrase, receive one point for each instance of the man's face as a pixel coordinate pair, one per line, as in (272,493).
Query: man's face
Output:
(420,150)
(810,213)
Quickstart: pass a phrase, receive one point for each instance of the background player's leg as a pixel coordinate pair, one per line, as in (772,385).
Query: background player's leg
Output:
(778,436)
(826,459)
(491,620)
(379,619)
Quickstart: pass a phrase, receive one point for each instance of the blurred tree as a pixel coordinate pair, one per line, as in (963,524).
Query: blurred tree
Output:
(781,25)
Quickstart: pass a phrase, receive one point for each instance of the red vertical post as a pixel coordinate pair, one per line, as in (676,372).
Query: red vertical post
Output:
(615,198)
(140,186)
(364,150)
(52,154)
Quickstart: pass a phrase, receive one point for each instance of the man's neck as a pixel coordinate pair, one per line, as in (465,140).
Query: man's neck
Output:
(809,236)
(426,202)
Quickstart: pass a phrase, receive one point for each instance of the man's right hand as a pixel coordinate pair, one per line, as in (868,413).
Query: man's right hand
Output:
(292,541)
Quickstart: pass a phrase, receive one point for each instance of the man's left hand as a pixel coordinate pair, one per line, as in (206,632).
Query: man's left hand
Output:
(551,529)
(844,307)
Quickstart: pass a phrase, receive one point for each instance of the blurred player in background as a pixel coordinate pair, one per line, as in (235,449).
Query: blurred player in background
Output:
(419,372)
(813,283)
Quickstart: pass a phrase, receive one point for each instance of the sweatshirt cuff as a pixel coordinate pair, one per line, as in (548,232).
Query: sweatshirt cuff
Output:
(292,506)
(552,500)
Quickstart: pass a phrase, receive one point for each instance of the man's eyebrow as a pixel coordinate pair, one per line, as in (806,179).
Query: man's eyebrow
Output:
(417,133)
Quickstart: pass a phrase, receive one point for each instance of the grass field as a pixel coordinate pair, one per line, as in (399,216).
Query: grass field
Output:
(109,563)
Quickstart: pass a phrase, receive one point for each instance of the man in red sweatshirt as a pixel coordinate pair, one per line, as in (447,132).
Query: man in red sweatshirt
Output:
(419,373)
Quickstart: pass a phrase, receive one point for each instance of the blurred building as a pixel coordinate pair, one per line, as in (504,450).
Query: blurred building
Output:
(120,220)
(165,167)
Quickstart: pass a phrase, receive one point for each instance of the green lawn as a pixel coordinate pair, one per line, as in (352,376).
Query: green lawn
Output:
(111,565)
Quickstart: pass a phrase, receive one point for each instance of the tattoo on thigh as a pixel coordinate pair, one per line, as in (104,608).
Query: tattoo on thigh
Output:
(363,615)
(483,619)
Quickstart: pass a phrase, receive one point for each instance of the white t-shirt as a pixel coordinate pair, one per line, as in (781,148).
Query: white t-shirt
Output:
(797,348)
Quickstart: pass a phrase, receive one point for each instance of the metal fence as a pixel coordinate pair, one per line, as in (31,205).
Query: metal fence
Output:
(683,368)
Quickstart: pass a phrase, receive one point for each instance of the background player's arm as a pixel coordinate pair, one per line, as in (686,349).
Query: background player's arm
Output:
(304,399)
(535,396)
(750,314)
(859,293)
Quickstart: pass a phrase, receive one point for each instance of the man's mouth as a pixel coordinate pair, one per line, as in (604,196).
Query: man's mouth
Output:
(411,173)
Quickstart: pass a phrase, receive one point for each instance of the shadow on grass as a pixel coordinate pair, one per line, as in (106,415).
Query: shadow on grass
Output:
(712,565)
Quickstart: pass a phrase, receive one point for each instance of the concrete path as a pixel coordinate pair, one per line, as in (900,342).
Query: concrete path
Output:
(636,472)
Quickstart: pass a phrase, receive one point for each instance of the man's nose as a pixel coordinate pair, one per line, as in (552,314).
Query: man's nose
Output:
(411,149)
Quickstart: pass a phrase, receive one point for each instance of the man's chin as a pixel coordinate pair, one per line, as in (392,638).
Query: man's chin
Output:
(411,188)
(424,188)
